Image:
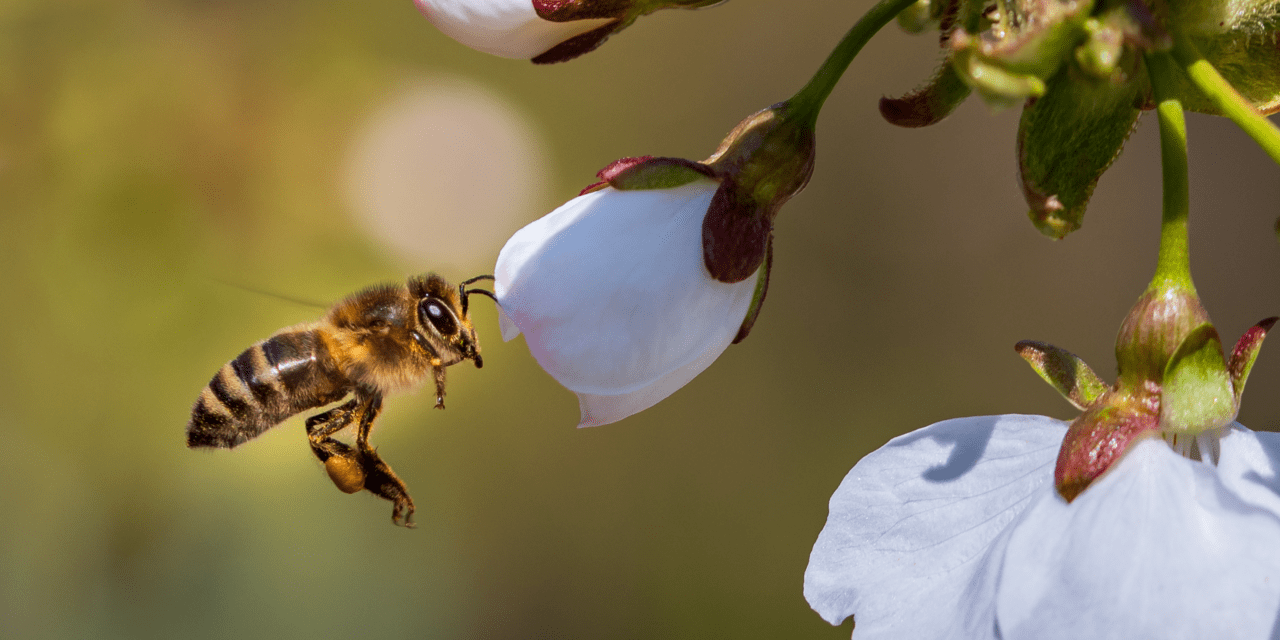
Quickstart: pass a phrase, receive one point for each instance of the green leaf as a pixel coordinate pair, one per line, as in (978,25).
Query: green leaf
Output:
(1196,393)
(1241,39)
(1066,140)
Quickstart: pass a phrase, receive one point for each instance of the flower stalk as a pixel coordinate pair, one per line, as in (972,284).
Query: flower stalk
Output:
(1173,267)
(809,100)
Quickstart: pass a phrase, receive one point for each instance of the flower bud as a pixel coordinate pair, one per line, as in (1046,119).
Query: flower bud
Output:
(544,31)
(613,298)
(630,290)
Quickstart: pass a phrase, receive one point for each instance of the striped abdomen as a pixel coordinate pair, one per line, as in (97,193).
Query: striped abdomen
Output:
(270,381)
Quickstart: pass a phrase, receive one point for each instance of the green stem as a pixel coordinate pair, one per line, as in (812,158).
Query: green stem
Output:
(808,102)
(1174,265)
(1226,98)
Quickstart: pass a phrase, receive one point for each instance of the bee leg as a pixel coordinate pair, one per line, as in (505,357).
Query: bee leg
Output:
(439,374)
(341,462)
(379,479)
(321,426)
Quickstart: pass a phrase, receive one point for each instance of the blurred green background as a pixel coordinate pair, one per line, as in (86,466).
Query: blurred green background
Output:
(161,163)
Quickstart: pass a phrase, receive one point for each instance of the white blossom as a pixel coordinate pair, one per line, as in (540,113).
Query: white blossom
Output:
(956,531)
(614,299)
(507,28)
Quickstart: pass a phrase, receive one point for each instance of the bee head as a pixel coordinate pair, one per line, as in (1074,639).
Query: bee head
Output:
(445,327)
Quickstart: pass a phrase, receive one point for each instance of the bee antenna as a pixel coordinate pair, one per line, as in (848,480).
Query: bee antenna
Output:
(467,292)
(464,292)
(475,279)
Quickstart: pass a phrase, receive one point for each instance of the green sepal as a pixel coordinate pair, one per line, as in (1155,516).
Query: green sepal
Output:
(659,173)
(1026,46)
(928,104)
(1245,352)
(1100,55)
(1066,140)
(757,298)
(1098,438)
(1196,394)
(922,15)
(999,87)
(1064,371)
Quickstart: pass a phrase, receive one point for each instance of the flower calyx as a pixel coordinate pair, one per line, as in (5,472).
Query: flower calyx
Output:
(1173,382)
(762,163)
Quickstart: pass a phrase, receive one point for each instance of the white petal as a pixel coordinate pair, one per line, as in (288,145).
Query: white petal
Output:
(508,328)
(1158,547)
(507,28)
(603,409)
(1247,466)
(913,540)
(613,297)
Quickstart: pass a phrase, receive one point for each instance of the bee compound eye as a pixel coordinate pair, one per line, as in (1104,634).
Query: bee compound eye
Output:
(434,312)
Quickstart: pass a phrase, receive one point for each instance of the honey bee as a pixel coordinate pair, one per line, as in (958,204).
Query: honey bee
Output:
(382,339)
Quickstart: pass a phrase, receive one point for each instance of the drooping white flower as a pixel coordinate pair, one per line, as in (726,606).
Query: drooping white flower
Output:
(956,531)
(544,31)
(614,298)
(507,28)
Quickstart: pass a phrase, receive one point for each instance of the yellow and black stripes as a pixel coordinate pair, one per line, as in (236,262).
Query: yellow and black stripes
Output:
(268,382)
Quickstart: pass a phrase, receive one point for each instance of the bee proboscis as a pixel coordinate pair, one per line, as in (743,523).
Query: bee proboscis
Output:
(382,339)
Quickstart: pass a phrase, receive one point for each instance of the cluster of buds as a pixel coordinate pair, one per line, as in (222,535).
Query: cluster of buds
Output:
(1077,66)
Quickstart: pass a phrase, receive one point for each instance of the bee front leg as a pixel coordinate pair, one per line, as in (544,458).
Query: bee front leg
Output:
(379,479)
(439,375)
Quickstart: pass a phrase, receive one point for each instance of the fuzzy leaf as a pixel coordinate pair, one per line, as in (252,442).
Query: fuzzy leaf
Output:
(1242,41)
(1066,140)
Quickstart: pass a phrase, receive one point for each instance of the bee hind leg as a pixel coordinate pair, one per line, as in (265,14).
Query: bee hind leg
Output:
(321,426)
(341,461)
(379,479)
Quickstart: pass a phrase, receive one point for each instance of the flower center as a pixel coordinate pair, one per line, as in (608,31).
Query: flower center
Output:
(1205,447)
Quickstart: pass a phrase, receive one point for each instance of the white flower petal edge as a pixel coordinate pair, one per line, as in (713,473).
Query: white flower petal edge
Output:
(1160,547)
(914,537)
(613,297)
(507,28)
